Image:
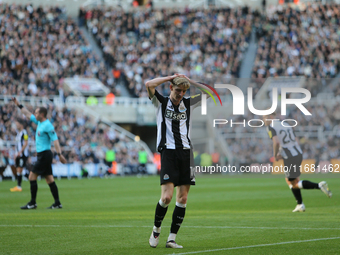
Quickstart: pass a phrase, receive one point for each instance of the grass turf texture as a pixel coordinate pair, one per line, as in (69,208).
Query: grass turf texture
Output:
(115,216)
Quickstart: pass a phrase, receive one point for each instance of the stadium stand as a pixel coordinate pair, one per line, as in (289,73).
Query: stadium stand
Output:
(298,41)
(39,47)
(207,45)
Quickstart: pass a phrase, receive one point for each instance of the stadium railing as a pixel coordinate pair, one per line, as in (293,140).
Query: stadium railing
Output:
(127,4)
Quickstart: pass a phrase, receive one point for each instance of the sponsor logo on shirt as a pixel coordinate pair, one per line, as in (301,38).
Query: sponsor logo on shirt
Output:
(175,116)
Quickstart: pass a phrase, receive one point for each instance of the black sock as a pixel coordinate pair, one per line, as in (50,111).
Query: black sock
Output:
(297,195)
(159,215)
(177,219)
(310,185)
(54,191)
(34,190)
(19,176)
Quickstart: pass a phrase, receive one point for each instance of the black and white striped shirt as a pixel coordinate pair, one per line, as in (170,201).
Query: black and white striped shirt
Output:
(289,147)
(20,140)
(174,122)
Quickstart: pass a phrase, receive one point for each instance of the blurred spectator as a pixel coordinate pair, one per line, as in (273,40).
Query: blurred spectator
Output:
(142,160)
(110,156)
(81,16)
(206,159)
(150,5)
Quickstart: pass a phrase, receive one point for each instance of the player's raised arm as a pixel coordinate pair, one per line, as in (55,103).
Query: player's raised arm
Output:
(26,112)
(152,84)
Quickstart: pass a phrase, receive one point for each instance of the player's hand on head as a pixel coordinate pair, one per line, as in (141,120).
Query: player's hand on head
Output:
(184,76)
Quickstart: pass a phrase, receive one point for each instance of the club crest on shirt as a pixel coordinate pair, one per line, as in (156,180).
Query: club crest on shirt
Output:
(38,133)
(182,108)
(166,177)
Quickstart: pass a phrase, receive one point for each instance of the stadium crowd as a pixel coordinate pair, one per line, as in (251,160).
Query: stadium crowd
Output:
(206,45)
(39,47)
(298,41)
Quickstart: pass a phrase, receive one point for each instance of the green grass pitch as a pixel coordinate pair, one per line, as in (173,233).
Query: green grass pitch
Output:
(249,214)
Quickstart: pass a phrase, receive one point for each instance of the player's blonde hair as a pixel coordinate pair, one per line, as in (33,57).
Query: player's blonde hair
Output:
(181,81)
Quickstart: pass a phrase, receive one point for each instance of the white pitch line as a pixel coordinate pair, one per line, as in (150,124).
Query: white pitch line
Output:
(127,226)
(258,245)
(278,228)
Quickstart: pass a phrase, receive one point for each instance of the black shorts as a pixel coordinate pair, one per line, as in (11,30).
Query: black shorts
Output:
(176,167)
(21,161)
(292,167)
(43,166)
